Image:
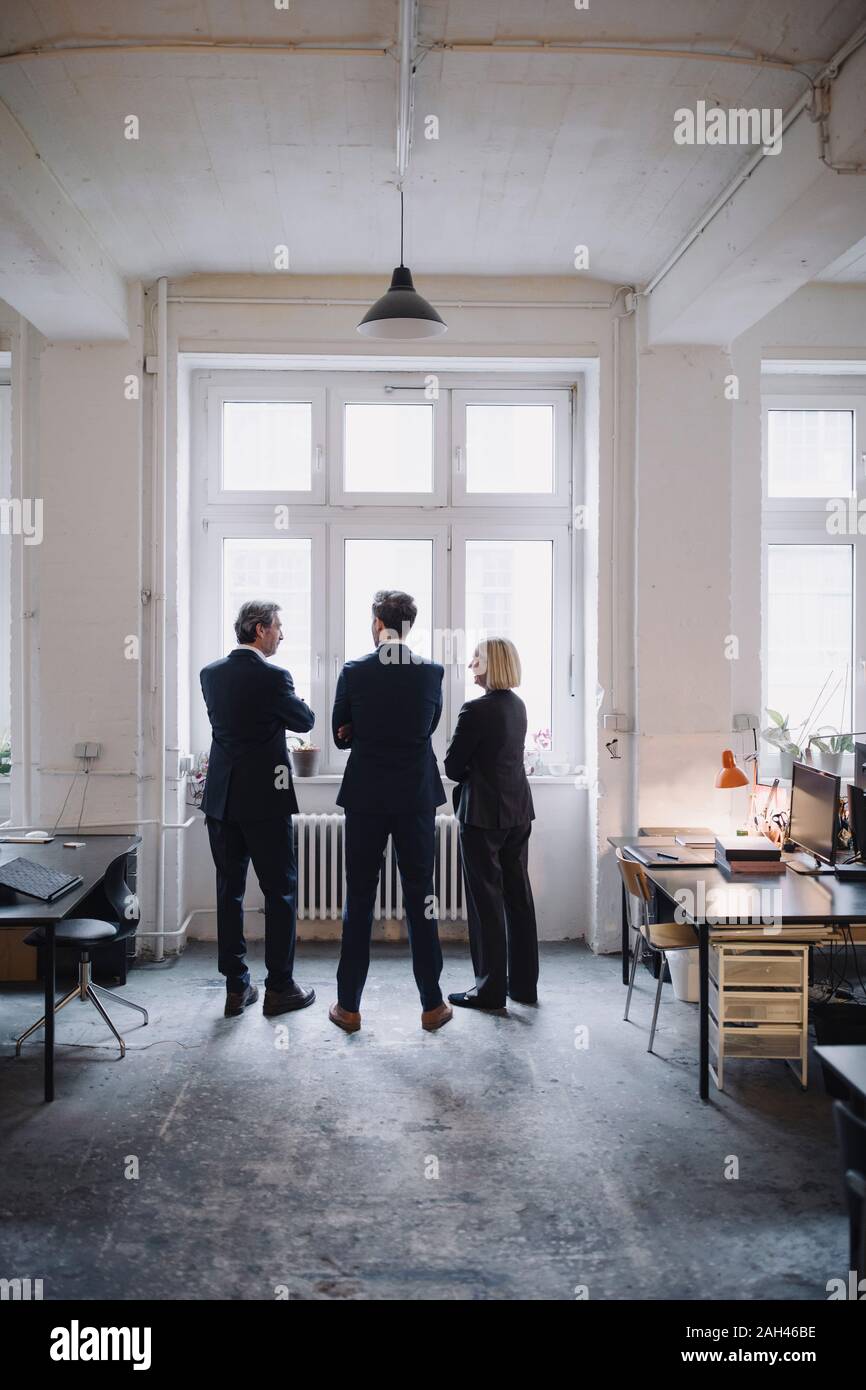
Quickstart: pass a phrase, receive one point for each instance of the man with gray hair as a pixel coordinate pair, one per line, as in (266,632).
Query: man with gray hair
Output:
(249,801)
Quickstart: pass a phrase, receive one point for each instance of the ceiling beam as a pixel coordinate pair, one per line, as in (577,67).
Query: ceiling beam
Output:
(53,270)
(778,230)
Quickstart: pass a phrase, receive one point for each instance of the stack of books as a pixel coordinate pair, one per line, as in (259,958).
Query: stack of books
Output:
(749,854)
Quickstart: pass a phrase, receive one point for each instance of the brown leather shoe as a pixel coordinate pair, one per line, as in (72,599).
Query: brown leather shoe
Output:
(349,1022)
(236,1003)
(431,1019)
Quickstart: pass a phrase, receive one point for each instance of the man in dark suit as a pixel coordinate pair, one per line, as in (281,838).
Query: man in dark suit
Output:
(386,707)
(249,801)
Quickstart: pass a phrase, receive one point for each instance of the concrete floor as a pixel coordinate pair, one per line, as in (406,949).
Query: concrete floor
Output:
(304,1166)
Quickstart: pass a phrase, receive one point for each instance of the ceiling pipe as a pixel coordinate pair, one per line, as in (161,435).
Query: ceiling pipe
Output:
(406,44)
(828,73)
(318,49)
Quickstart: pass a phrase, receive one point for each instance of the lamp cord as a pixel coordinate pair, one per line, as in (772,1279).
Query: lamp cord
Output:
(401,228)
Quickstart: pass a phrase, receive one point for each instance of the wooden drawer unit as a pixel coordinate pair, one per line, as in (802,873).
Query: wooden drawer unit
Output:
(769,971)
(758,1003)
(776,1042)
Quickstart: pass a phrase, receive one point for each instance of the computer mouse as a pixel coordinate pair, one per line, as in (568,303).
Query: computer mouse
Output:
(37,835)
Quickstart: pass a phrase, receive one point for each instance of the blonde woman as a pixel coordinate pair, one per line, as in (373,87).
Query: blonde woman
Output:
(493,804)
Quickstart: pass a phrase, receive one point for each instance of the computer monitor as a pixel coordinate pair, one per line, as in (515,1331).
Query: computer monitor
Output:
(857,820)
(860,765)
(814,811)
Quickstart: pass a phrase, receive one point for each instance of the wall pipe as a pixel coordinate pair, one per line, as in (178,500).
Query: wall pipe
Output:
(20,440)
(159,581)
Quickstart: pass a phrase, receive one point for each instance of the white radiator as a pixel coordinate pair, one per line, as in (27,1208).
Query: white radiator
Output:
(319,845)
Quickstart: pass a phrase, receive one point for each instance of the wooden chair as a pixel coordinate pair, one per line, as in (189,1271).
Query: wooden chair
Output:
(660,937)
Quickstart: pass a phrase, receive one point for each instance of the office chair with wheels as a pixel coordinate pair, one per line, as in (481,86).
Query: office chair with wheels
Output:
(851,1134)
(660,937)
(88,934)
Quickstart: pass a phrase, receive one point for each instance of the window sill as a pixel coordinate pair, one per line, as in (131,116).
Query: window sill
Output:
(571,779)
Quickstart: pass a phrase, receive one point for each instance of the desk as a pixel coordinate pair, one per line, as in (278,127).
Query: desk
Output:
(803,902)
(849,1064)
(91,862)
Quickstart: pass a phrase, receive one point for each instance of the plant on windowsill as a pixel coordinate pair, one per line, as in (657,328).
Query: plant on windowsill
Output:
(533,758)
(305,756)
(831,747)
(778,735)
(5,755)
(195,781)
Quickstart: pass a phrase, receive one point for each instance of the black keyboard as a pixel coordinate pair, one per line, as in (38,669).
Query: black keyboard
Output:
(35,881)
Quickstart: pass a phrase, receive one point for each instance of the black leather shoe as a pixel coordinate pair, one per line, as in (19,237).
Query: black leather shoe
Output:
(236,1003)
(468,999)
(284,1001)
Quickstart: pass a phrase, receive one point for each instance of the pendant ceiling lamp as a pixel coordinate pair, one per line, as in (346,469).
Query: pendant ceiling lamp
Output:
(401,312)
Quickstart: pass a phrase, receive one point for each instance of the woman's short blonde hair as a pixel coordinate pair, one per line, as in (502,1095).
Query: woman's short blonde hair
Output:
(498,657)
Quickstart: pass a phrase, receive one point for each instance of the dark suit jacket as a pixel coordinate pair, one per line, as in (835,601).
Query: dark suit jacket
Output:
(393,705)
(250,703)
(485,757)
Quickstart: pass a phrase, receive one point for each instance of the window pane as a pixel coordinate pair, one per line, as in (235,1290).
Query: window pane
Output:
(509,448)
(267,446)
(281,571)
(389,448)
(387,564)
(809,635)
(509,593)
(810,453)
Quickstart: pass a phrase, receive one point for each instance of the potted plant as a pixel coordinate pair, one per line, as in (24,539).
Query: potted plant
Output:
(828,747)
(196,779)
(5,755)
(543,742)
(305,757)
(779,736)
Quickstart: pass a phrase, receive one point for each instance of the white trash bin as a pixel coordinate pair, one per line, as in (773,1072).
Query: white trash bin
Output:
(685,975)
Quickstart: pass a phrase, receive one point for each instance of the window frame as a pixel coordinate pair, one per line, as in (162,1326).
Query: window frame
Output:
(817,503)
(557,397)
(250,387)
(211,574)
(803,521)
(340,532)
(562,746)
(342,394)
(337,515)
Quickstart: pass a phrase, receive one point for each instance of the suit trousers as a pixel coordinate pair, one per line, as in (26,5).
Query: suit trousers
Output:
(271,847)
(503,939)
(414,838)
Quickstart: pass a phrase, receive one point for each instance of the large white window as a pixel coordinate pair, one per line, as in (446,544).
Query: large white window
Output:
(814,563)
(5,575)
(317,489)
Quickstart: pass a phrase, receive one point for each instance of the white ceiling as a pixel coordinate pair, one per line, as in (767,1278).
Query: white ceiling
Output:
(537,153)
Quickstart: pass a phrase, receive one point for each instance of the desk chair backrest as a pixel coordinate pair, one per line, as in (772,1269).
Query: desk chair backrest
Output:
(122,901)
(637,885)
